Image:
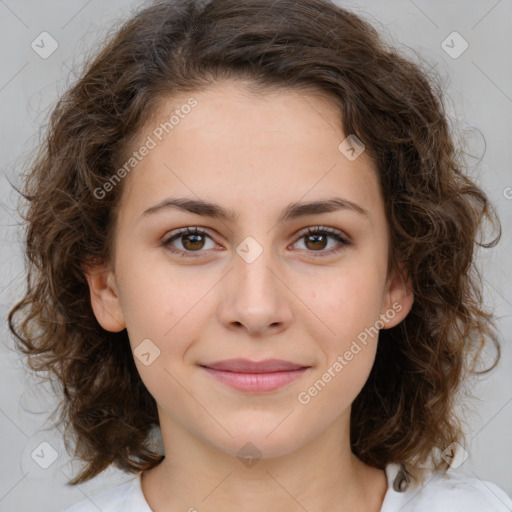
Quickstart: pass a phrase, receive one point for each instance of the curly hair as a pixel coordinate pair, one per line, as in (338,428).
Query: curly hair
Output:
(434,210)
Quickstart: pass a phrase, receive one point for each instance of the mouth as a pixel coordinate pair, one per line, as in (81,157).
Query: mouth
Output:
(252,376)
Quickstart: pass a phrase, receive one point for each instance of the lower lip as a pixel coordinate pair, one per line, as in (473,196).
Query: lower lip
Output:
(256,381)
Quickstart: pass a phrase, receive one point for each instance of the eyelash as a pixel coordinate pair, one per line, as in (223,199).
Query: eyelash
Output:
(318,230)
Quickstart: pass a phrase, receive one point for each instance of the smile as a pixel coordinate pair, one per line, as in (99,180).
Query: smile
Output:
(256,382)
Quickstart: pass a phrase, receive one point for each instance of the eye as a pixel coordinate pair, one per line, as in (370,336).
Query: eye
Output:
(193,241)
(316,239)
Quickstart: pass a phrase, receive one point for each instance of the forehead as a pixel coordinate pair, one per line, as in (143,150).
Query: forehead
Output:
(249,147)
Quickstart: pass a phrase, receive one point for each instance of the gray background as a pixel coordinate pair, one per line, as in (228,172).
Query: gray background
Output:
(479,101)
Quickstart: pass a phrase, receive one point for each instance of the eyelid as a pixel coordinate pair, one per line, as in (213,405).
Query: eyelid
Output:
(342,238)
(321,229)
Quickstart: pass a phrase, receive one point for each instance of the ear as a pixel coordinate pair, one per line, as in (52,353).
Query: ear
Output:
(104,297)
(398,298)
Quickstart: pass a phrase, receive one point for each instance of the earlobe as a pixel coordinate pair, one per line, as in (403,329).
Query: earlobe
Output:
(399,298)
(105,301)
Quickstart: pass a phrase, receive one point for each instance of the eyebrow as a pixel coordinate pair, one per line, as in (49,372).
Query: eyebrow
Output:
(292,211)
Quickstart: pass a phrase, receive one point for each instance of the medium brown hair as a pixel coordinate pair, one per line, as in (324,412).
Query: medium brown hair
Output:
(435,213)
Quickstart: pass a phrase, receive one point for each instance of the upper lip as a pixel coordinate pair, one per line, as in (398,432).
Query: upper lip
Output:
(247,366)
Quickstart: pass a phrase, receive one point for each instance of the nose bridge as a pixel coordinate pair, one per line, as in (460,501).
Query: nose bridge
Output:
(254,295)
(255,281)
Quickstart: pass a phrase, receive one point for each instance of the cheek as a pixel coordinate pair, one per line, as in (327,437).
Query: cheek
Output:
(158,300)
(348,304)
(170,309)
(350,310)
(349,307)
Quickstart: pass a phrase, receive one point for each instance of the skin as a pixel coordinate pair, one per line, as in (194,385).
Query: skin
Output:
(255,154)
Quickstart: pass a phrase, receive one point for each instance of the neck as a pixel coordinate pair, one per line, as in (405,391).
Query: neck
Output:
(322,475)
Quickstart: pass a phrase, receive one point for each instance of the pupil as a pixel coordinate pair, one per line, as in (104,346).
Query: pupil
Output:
(196,240)
(316,237)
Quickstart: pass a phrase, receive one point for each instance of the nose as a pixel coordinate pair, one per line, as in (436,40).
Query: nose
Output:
(255,297)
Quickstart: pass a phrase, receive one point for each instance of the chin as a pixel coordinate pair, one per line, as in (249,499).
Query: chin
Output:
(261,441)
(252,448)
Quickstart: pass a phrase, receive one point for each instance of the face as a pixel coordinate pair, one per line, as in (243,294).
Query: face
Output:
(253,284)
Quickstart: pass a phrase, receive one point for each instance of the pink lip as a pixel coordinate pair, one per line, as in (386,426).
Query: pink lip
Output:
(246,375)
(247,366)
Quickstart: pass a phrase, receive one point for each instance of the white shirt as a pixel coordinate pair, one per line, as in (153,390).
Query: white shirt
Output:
(452,492)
